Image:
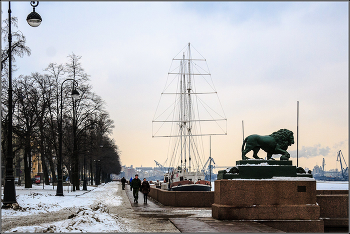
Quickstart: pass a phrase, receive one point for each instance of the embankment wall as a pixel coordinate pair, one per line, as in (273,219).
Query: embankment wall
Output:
(334,204)
(182,198)
(334,208)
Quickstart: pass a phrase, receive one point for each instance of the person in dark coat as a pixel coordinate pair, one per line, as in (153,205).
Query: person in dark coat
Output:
(123,180)
(157,184)
(145,189)
(136,185)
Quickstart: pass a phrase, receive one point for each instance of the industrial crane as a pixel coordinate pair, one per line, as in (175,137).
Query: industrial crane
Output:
(205,165)
(345,170)
(161,167)
(208,172)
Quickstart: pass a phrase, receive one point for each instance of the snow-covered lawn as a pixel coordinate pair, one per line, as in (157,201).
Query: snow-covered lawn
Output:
(86,220)
(91,209)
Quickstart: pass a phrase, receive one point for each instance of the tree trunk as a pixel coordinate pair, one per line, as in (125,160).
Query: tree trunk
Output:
(42,153)
(91,175)
(46,173)
(53,172)
(27,162)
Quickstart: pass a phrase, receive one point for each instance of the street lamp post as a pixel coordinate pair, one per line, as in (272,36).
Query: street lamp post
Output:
(84,171)
(97,172)
(34,19)
(75,94)
(9,188)
(89,151)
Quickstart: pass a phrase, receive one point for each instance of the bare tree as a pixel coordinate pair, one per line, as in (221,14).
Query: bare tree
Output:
(86,124)
(18,46)
(27,116)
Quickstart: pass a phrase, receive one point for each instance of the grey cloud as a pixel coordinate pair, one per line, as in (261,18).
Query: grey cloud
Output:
(324,151)
(310,151)
(338,145)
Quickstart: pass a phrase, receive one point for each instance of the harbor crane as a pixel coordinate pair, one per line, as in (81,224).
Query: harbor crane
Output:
(210,167)
(209,171)
(161,167)
(345,170)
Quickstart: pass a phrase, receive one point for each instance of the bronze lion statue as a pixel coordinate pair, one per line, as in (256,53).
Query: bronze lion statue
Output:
(276,143)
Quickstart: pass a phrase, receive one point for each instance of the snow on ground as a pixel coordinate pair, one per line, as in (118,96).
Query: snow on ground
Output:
(332,185)
(92,215)
(91,212)
(86,220)
(38,200)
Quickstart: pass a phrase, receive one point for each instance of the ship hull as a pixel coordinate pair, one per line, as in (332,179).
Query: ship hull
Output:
(191,187)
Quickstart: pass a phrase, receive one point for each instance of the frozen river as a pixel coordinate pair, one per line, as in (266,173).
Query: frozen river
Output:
(322,185)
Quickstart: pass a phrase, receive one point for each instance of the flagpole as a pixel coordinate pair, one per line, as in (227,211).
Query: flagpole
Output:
(297,132)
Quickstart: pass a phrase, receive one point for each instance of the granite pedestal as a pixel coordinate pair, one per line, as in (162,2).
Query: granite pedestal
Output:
(286,203)
(261,169)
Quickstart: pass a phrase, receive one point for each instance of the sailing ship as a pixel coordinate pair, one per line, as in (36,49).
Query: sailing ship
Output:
(183,120)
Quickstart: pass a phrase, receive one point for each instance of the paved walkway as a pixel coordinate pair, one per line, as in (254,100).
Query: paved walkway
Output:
(139,217)
(192,219)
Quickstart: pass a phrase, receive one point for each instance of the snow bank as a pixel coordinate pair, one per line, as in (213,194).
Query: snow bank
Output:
(92,215)
(85,220)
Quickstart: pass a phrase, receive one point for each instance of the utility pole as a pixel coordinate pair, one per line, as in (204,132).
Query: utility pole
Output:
(297,133)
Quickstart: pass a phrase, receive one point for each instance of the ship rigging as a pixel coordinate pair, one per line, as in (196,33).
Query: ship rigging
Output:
(189,117)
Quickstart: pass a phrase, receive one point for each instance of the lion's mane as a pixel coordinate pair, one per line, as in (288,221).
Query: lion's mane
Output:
(282,138)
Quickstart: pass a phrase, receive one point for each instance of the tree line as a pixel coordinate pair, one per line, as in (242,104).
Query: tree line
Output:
(86,125)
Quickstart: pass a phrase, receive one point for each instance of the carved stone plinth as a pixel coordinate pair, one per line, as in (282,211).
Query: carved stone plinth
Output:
(279,199)
(261,169)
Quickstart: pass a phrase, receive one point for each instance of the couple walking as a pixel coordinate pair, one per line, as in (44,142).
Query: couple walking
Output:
(144,187)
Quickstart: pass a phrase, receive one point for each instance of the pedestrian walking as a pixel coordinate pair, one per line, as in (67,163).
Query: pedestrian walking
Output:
(135,185)
(145,189)
(123,180)
(158,184)
(130,183)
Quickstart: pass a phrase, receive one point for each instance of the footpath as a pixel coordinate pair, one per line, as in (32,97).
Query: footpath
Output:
(108,208)
(191,219)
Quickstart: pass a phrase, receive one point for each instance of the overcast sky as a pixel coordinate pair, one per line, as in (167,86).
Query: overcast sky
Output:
(263,57)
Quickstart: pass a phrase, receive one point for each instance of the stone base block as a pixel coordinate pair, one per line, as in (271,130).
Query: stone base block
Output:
(293,226)
(263,212)
(336,222)
(249,192)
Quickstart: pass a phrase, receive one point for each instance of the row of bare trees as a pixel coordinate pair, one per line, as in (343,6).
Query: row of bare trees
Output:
(36,115)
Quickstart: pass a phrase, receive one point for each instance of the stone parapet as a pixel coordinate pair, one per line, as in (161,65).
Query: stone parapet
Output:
(183,198)
(334,210)
(320,192)
(334,205)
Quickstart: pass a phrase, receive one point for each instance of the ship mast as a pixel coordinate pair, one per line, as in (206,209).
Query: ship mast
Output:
(186,109)
(189,108)
(182,123)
